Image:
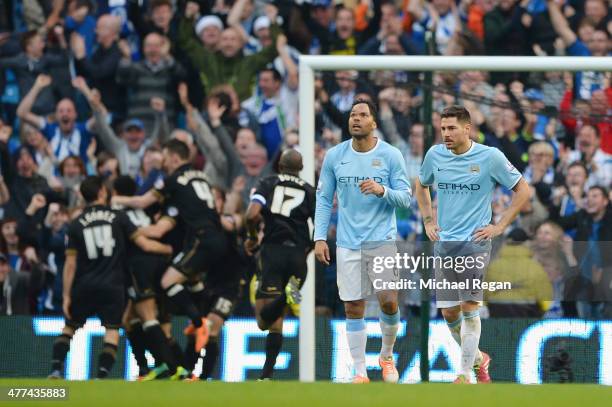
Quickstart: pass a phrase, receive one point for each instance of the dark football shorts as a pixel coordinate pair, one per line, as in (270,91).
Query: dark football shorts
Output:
(202,250)
(145,273)
(107,303)
(221,300)
(277,264)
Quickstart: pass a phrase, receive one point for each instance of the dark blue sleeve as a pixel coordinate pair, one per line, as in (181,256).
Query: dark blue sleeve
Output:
(578,49)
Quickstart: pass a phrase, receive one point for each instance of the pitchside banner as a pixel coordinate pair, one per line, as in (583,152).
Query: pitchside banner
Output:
(523,350)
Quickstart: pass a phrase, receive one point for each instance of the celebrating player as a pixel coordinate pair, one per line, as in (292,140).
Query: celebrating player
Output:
(369,177)
(144,271)
(94,273)
(465,174)
(189,193)
(285,202)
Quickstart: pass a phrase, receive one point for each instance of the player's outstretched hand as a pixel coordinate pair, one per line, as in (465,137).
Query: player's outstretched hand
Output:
(487,233)
(431,229)
(321,250)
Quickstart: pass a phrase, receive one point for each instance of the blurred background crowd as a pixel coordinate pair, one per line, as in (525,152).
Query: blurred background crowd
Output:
(95,86)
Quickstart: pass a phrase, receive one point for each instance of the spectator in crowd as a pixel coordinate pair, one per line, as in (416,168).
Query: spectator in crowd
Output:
(245,138)
(79,22)
(23,182)
(71,172)
(130,147)
(276,108)
(107,167)
(596,11)
(21,255)
(158,18)
(504,32)
(593,226)
(213,140)
(67,136)
(151,170)
(510,139)
(256,165)
(596,160)
(440,16)
(209,29)
(344,40)
(100,68)
(347,87)
(157,75)
(34,61)
(555,253)
(569,198)
(318,16)
(19,289)
(226,65)
(40,149)
(531,291)
(596,45)
(540,168)
(241,15)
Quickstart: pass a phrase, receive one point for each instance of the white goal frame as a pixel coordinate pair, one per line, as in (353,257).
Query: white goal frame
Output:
(307,66)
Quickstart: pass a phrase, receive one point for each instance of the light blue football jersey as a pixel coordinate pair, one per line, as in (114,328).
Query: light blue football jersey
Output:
(464,185)
(361,218)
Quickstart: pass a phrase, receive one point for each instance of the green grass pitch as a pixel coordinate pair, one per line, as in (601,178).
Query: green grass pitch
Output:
(116,393)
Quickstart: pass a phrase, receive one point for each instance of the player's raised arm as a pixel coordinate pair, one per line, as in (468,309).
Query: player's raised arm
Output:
(140,201)
(324,203)
(152,246)
(156,231)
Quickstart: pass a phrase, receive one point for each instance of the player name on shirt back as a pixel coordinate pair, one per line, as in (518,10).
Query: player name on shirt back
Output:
(94,216)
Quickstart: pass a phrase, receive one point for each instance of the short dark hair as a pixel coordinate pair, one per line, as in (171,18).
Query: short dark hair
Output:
(125,185)
(578,164)
(602,189)
(26,37)
(594,127)
(275,74)
(159,3)
(177,147)
(90,188)
(371,106)
(459,112)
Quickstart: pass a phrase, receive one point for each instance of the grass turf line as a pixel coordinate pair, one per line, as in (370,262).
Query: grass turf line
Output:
(116,393)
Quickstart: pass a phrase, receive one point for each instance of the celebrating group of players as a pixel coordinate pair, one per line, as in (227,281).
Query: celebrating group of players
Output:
(112,252)
(134,261)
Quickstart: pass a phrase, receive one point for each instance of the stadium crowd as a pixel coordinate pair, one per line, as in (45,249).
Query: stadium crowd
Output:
(96,86)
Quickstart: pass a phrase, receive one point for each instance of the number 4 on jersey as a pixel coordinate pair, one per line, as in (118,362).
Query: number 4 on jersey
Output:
(286,199)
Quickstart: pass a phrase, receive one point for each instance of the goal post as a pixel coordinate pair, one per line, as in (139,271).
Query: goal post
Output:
(307,66)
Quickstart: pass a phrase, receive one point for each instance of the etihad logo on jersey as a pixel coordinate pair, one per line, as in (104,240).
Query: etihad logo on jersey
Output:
(351,180)
(449,187)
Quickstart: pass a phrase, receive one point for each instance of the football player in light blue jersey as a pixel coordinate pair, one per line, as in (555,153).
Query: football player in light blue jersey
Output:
(465,175)
(369,178)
